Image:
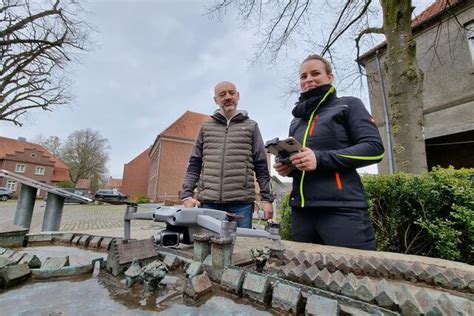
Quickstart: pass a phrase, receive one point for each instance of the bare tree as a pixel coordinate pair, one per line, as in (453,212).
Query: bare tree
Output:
(37,40)
(281,23)
(53,145)
(85,153)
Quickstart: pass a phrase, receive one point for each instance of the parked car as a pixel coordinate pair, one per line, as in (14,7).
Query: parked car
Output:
(5,194)
(110,195)
(71,199)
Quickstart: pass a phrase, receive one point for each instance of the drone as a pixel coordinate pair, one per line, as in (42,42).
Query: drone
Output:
(182,223)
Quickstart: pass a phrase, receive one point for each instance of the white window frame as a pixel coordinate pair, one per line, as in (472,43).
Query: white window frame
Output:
(11,185)
(39,171)
(20,168)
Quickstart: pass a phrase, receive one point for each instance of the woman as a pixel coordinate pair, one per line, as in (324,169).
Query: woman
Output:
(338,135)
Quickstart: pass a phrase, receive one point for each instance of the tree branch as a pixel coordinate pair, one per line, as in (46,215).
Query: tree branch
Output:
(32,46)
(26,21)
(373,30)
(361,13)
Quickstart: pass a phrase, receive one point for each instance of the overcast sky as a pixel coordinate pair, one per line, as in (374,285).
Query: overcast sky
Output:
(153,60)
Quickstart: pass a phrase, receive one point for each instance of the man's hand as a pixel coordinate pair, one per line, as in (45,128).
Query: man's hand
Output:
(282,169)
(190,203)
(267,208)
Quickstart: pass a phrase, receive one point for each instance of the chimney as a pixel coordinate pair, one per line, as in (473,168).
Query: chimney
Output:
(22,139)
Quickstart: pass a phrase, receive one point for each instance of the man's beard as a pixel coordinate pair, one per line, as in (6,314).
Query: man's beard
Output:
(229,107)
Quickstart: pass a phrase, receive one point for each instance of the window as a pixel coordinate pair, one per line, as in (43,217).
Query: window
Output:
(20,168)
(39,171)
(11,185)
(470,38)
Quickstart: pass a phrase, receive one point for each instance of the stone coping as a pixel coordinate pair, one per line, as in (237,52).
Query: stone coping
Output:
(296,264)
(314,248)
(362,279)
(368,295)
(243,246)
(308,291)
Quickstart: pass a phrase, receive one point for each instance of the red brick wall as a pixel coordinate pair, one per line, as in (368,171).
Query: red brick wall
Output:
(173,164)
(29,171)
(30,168)
(136,175)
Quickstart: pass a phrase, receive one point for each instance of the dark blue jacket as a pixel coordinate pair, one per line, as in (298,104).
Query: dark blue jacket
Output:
(344,137)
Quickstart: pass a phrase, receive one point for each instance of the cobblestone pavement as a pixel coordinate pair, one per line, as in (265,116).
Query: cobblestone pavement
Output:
(80,218)
(106,220)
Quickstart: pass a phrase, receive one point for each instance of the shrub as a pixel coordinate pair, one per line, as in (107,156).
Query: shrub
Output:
(284,217)
(65,184)
(429,214)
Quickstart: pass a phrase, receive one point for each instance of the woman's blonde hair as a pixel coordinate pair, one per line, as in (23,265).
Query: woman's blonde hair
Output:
(327,64)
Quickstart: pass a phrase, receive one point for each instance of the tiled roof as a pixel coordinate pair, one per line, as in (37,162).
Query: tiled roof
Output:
(58,163)
(435,8)
(60,174)
(186,127)
(83,184)
(9,146)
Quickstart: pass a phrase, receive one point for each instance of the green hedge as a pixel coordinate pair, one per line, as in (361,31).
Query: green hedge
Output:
(284,217)
(65,184)
(429,214)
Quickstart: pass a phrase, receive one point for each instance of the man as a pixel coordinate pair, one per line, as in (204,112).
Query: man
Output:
(227,152)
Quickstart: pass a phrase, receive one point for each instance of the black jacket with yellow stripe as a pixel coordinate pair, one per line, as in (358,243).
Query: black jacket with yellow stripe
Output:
(344,137)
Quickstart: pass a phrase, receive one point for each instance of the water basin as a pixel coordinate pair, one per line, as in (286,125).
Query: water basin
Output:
(109,295)
(96,297)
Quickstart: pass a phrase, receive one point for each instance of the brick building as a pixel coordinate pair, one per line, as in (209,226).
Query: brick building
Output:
(84,185)
(32,161)
(136,174)
(169,156)
(113,184)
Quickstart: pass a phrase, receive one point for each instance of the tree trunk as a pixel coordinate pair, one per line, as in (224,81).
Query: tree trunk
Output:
(405,85)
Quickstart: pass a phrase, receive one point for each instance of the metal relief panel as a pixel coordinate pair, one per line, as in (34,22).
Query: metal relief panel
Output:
(136,249)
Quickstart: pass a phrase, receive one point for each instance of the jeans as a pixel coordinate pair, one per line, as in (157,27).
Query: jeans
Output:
(243,209)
